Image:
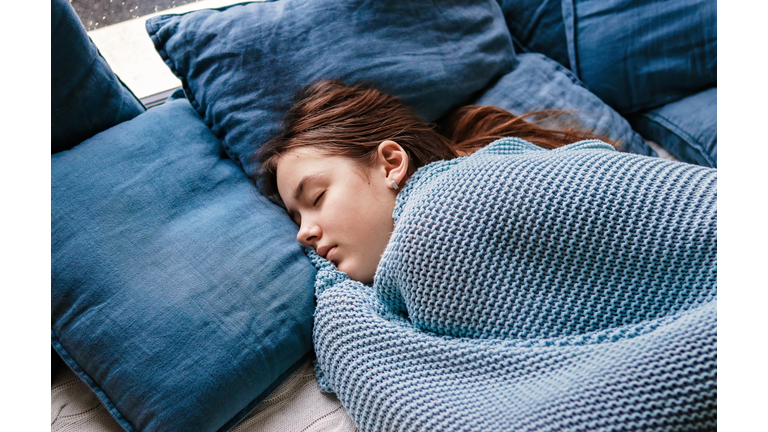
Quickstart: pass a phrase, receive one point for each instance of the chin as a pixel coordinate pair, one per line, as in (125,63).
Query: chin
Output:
(355,274)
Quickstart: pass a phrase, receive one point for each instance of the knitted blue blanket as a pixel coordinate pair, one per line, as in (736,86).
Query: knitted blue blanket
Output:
(528,289)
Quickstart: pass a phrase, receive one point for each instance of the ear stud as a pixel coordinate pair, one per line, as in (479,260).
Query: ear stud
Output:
(394,185)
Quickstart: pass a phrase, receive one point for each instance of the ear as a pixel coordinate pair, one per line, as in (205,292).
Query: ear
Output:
(392,162)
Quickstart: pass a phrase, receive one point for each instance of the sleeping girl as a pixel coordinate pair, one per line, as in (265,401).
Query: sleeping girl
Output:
(347,150)
(490,274)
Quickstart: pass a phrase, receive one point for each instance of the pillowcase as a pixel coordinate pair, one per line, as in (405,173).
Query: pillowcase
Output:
(86,96)
(241,65)
(540,83)
(638,55)
(178,293)
(686,128)
(537,26)
(633,55)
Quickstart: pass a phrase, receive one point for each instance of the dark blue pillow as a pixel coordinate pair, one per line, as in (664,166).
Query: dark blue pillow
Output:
(641,54)
(537,26)
(178,294)
(240,66)
(633,55)
(686,128)
(540,83)
(86,96)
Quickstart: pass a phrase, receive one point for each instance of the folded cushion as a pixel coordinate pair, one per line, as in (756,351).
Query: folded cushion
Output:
(178,294)
(686,128)
(637,55)
(539,83)
(241,65)
(86,96)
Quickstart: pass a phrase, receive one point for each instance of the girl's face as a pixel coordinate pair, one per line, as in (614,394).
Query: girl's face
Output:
(343,209)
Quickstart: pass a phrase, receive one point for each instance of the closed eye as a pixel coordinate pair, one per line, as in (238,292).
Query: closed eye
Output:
(318,198)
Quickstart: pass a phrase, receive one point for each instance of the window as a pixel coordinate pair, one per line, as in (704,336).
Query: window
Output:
(117,29)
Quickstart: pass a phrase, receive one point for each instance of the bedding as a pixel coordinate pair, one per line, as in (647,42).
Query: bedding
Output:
(687,128)
(241,65)
(632,55)
(528,289)
(86,96)
(178,294)
(539,83)
(297,405)
(537,26)
(641,55)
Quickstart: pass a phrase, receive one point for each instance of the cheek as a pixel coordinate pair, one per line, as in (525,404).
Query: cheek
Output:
(359,217)
(356,218)
(368,227)
(348,218)
(362,223)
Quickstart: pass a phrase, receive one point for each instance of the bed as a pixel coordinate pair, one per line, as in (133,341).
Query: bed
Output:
(180,299)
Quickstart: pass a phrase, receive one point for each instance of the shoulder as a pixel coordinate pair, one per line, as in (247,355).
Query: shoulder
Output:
(509,147)
(517,146)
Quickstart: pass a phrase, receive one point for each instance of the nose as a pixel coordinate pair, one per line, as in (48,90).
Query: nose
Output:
(309,233)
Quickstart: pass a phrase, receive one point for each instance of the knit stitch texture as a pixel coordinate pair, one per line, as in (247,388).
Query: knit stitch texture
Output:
(533,290)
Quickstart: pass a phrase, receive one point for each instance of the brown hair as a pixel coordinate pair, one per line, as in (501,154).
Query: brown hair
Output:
(352,120)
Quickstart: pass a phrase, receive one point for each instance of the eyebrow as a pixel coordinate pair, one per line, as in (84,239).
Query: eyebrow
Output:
(300,188)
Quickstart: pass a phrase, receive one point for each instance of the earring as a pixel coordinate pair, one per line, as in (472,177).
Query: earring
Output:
(394,185)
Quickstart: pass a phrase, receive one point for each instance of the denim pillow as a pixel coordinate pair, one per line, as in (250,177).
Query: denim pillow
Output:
(86,96)
(537,26)
(178,294)
(686,128)
(633,55)
(540,83)
(638,55)
(241,65)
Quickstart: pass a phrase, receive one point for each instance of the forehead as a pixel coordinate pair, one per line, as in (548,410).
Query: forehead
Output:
(296,164)
(300,158)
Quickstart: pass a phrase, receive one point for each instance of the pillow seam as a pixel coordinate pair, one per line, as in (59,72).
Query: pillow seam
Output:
(152,27)
(91,383)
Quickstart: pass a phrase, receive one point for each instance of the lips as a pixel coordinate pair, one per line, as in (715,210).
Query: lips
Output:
(329,256)
(326,251)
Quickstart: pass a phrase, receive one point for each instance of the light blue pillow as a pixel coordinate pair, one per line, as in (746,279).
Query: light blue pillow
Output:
(686,128)
(86,96)
(178,294)
(241,65)
(540,83)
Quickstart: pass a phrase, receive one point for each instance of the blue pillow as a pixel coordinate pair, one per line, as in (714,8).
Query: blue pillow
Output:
(633,55)
(638,55)
(540,83)
(86,97)
(537,26)
(686,128)
(178,294)
(241,65)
